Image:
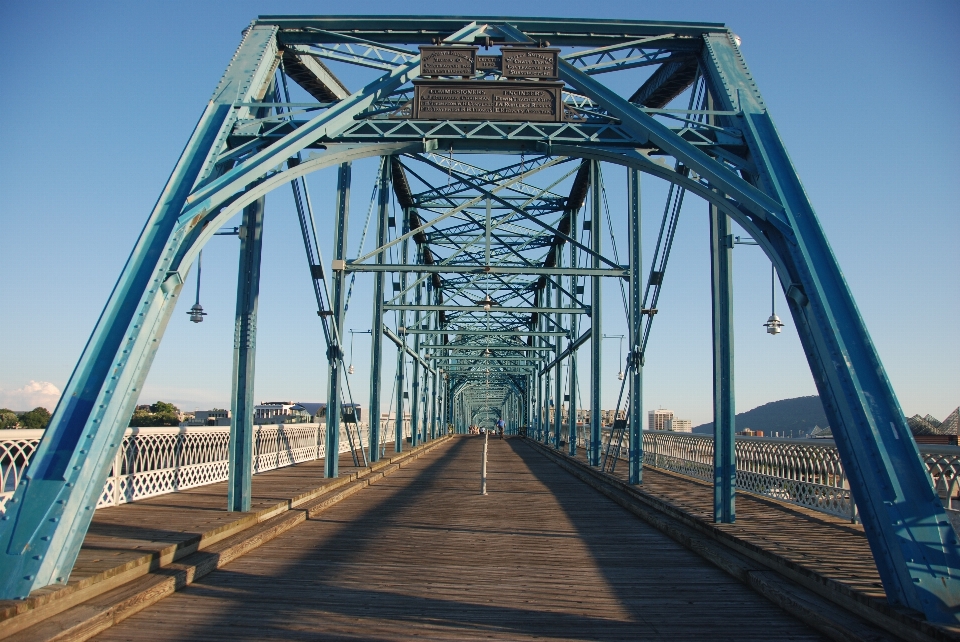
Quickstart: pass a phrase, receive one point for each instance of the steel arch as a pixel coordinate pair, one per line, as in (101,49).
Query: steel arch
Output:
(913,543)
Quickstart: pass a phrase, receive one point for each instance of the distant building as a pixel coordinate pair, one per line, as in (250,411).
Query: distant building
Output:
(314,411)
(682,425)
(660,419)
(750,433)
(280,412)
(215,417)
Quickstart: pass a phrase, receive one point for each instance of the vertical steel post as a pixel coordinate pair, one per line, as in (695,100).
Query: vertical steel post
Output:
(636,327)
(434,428)
(376,335)
(415,426)
(335,351)
(572,359)
(244,359)
(596,334)
(724,412)
(558,374)
(402,329)
(548,393)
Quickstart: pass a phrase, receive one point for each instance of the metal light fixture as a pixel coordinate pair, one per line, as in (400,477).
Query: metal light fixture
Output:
(773,324)
(196,312)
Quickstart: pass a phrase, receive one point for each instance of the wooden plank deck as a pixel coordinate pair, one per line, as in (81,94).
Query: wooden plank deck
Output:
(422,555)
(828,546)
(123,533)
(126,541)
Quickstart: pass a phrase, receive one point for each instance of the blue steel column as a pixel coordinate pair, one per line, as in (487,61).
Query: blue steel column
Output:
(596,335)
(240,473)
(558,371)
(433,405)
(724,412)
(572,359)
(332,458)
(415,376)
(402,329)
(49,514)
(548,394)
(636,326)
(376,335)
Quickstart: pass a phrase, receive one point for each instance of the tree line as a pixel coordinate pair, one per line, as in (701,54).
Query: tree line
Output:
(158,414)
(37,418)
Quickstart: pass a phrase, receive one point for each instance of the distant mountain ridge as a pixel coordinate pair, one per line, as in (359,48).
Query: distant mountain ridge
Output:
(802,414)
(799,415)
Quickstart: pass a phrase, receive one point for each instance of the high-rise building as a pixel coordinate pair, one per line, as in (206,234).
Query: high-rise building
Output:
(682,425)
(660,419)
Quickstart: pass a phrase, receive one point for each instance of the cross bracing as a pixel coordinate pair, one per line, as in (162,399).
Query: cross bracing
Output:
(489,244)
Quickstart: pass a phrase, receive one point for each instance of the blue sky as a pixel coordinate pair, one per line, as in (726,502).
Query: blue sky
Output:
(101,97)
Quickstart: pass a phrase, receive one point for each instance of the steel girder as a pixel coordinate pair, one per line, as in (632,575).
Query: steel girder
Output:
(739,166)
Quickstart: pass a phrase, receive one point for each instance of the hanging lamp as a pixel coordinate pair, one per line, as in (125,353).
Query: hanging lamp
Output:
(196,312)
(773,324)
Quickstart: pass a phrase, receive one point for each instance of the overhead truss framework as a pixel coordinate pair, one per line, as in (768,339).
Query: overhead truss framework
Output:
(483,275)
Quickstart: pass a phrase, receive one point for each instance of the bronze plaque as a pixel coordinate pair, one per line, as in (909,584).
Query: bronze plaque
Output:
(530,62)
(487,100)
(448,61)
(488,62)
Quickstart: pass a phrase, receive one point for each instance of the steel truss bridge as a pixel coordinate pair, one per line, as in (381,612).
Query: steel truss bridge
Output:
(487,255)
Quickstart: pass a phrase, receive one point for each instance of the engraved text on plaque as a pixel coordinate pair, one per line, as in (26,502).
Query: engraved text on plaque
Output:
(487,100)
(448,61)
(529,62)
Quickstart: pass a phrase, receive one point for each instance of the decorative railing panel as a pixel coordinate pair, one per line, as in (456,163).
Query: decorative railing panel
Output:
(156,461)
(16,448)
(807,472)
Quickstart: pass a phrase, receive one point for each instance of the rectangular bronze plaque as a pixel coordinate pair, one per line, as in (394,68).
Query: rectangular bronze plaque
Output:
(487,100)
(530,62)
(488,62)
(448,61)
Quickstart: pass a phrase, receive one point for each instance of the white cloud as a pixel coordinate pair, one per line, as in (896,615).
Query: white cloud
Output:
(28,397)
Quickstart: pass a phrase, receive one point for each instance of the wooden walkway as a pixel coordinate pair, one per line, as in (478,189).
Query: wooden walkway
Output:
(123,535)
(826,546)
(421,554)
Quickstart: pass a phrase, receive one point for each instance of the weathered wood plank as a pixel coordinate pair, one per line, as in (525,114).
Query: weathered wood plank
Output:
(422,554)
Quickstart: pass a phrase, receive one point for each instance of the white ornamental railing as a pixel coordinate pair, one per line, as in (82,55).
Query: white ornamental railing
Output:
(156,461)
(807,472)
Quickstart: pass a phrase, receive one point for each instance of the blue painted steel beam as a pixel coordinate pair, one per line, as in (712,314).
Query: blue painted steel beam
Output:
(596,334)
(484,269)
(572,360)
(376,346)
(423,29)
(635,372)
(415,426)
(240,471)
(337,304)
(915,548)
(48,516)
(558,378)
(724,410)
